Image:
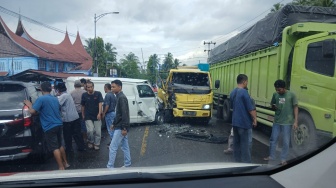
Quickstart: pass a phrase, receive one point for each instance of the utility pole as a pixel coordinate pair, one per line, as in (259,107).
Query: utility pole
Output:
(209,43)
(96,18)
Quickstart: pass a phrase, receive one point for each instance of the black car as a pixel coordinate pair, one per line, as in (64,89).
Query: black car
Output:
(20,132)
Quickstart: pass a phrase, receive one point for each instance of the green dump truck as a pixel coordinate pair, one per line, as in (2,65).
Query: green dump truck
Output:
(296,44)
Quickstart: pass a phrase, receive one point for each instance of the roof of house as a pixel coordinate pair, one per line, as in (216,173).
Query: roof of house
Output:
(64,51)
(37,75)
(3,73)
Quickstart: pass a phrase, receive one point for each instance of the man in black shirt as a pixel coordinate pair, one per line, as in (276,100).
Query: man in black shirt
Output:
(120,126)
(91,112)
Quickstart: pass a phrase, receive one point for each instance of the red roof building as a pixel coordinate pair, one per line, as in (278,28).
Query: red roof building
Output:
(19,51)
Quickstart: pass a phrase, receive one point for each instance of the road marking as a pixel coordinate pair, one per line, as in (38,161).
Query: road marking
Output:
(144,141)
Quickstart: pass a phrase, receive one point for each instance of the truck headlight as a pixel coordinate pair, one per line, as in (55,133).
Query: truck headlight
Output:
(206,106)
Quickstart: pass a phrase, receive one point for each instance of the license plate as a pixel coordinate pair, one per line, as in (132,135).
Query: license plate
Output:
(189,113)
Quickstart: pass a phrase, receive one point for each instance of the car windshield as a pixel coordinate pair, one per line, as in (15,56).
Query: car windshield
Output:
(170,89)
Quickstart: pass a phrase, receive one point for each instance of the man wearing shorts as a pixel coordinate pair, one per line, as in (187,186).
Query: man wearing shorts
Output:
(51,121)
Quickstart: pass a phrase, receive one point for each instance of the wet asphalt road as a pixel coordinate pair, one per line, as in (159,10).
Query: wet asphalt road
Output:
(152,145)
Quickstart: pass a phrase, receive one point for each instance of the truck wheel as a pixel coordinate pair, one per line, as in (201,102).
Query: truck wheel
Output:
(168,116)
(227,111)
(219,114)
(159,118)
(303,139)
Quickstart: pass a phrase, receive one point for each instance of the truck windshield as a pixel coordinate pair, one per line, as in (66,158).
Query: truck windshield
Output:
(193,79)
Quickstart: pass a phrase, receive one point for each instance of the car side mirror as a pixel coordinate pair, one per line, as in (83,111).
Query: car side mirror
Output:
(217,83)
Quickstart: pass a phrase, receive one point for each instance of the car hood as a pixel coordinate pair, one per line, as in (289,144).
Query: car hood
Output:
(157,172)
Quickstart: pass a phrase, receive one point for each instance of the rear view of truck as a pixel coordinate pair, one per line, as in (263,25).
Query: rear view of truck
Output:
(295,44)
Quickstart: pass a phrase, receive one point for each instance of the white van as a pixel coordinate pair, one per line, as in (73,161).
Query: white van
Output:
(143,104)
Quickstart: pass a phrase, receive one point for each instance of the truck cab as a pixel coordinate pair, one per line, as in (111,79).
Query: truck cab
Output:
(187,93)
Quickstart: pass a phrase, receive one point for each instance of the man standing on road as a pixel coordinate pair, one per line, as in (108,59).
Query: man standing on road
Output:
(120,126)
(109,108)
(243,117)
(285,104)
(70,118)
(91,111)
(230,149)
(76,95)
(50,117)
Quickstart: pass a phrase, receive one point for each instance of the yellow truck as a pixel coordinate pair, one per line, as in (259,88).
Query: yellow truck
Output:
(187,93)
(296,44)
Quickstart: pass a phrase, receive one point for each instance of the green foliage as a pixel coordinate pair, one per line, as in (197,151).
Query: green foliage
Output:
(129,66)
(277,7)
(105,53)
(321,3)
(152,68)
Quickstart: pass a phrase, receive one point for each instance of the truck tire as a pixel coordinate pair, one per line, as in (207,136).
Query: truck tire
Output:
(227,111)
(159,118)
(168,116)
(219,114)
(303,139)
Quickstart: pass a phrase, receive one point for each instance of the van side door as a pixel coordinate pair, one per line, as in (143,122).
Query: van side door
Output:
(147,103)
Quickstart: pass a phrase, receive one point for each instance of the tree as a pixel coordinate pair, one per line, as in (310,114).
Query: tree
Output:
(129,66)
(110,56)
(302,2)
(89,47)
(277,7)
(176,63)
(105,52)
(322,3)
(168,62)
(152,65)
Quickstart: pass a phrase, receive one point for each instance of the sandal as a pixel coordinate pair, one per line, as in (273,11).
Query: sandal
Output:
(66,165)
(268,158)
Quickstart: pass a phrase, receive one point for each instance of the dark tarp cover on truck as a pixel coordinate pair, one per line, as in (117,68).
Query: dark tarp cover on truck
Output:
(268,31)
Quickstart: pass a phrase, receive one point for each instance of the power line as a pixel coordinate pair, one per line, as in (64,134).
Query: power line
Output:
(209,43)
(14,14)
(217,39)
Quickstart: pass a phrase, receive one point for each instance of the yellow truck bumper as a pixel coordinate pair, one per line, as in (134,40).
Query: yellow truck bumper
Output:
(191,113)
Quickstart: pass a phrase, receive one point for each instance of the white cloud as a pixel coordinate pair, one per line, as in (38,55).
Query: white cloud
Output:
(156,26)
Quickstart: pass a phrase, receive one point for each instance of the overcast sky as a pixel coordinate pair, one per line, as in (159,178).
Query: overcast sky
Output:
(155,26)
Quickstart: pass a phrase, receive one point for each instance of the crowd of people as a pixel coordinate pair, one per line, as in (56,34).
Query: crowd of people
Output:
(77,115)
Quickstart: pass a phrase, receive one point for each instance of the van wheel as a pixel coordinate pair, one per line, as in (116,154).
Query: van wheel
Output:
(159,118)
(303,139)
(227,111)
(168,116)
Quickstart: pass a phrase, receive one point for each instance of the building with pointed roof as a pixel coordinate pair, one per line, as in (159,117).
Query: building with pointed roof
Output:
(19,52)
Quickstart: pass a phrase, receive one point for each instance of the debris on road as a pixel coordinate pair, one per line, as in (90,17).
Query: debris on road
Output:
(209,138)
(186,131)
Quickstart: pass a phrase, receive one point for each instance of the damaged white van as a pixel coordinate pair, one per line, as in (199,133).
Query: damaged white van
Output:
(143,104)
